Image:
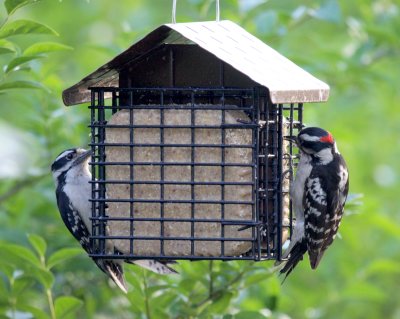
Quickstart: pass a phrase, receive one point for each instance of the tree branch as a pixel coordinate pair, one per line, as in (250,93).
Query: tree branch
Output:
(146,296)
(211,283)
(215,294)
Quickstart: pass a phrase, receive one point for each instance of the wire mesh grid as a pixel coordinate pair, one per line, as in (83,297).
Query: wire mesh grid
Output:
(190,173)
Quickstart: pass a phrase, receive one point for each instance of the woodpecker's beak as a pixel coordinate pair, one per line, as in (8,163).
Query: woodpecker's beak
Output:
(292,139)
(82,157)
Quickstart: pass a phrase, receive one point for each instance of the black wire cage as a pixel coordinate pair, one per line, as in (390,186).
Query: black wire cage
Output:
(190,156)
(222,199)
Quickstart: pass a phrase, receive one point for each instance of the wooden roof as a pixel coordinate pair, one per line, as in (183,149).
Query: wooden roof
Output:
(286,82)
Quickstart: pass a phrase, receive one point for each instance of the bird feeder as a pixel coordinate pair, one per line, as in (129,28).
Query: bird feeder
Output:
(190,159)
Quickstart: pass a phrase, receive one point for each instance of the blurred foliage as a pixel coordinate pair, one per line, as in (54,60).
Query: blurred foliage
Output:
(47,45)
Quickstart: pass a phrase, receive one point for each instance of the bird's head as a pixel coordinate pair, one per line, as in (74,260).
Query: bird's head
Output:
(316,141)
(69,159)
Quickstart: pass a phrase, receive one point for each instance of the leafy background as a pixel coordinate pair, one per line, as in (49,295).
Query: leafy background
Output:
(46,46)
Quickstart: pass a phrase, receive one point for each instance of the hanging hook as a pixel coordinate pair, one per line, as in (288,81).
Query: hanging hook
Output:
(217,11)
(174,11)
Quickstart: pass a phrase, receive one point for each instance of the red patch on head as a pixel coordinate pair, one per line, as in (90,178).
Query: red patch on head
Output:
(327,139)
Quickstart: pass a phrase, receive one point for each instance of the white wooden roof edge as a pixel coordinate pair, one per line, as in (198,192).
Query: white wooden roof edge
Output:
(286,81)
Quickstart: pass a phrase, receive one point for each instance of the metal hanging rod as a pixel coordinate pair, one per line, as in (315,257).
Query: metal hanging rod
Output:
(217,11)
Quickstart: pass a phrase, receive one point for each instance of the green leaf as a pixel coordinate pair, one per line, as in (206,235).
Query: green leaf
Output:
(63,255)
(36,312)
(221,304)
(157,288)
(3,289)
(18,61)
(254,277)
(133,280)
(134,296)
(13,5)
(20,85)
(44,276)
(7,47)
(44,47)
(25,27)
(22,283)
(66,305)
(21,252)
(7,269)
(38,243)
(5,50)
(186,284)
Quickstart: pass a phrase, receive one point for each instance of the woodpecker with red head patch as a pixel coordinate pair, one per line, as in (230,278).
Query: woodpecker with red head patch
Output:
(318,196)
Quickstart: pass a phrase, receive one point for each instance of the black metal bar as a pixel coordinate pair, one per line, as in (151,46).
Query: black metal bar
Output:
(272,180)
(279,184)
(267,217)
(170,182)
(162,170)
(101,172)
(175,201)
(255,188)
(131,174)
(226,222)
(173,145)
(178,107)
(291,126)
(192,173)
(215,127)
(197,164)
(222,173)
(93,243)
(171,257)
(190,238)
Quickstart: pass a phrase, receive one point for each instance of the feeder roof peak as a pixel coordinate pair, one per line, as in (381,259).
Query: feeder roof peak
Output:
(286,82)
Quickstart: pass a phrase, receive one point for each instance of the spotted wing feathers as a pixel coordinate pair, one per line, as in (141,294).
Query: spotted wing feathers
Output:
(73,221)
(323,210)
(78,229)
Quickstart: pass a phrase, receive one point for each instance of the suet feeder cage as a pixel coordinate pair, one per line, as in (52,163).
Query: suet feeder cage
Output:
(190,159)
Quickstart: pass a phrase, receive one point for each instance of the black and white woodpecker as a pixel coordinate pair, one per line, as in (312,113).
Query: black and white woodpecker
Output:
(318,196)
(73,190)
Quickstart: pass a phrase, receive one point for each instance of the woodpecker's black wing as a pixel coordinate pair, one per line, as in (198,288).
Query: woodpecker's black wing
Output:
(78,229)
(324,198)
(73,220)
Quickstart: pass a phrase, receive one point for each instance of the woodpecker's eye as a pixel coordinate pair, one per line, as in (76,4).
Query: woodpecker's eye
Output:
(70,156)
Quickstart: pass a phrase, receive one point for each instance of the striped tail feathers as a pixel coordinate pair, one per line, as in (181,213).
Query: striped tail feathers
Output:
(296,255)
(115,271)
(315,257)
(156,266)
